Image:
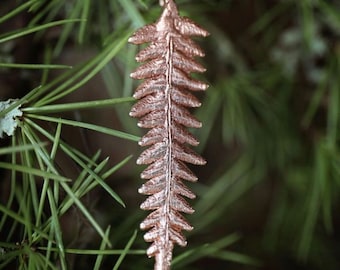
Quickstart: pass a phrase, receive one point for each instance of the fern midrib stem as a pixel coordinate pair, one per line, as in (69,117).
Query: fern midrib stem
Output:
(169,71)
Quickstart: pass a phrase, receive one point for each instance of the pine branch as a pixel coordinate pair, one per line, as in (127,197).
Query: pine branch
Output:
(164,99)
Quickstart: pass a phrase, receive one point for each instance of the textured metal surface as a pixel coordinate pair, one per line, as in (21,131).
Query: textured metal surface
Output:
(164,98)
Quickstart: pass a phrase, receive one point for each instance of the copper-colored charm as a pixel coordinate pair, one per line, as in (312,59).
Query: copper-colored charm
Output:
(164,97)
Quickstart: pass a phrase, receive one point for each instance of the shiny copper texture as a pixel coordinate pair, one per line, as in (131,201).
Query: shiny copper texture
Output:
(164,98)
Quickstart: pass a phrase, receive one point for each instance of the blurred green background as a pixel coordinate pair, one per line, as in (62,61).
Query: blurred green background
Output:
(269,196)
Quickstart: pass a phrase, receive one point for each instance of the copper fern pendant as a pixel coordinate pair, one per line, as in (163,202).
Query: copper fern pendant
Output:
(162,107)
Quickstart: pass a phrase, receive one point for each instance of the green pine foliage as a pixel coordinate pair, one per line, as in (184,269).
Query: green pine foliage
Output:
(268,197)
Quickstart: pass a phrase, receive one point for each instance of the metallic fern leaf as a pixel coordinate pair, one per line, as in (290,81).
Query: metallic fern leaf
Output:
(164,98)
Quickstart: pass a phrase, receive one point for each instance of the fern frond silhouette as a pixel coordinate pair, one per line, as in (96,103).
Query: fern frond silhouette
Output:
(164,98)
